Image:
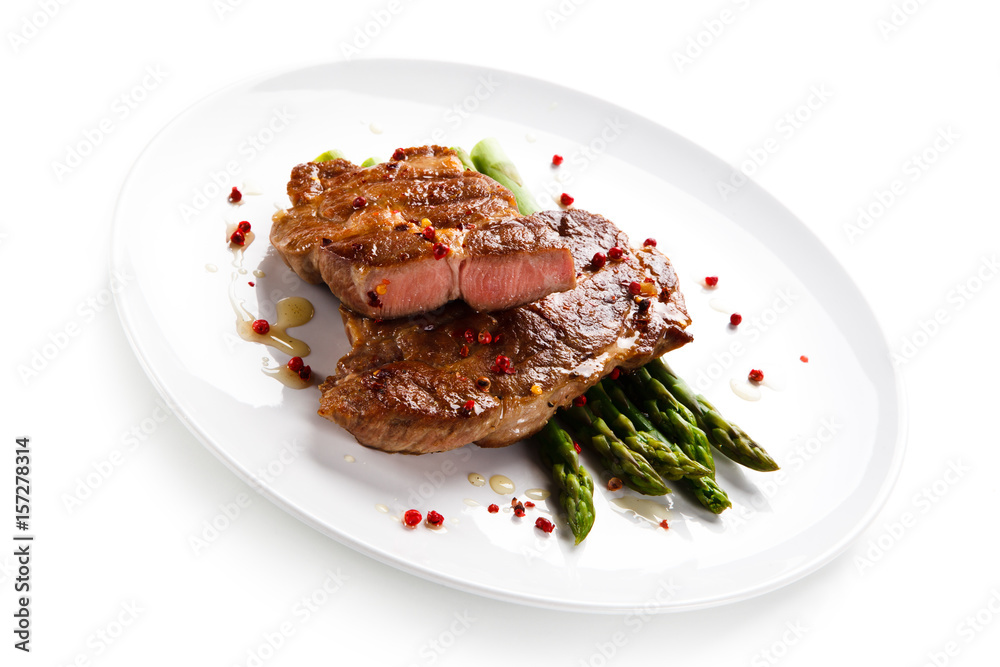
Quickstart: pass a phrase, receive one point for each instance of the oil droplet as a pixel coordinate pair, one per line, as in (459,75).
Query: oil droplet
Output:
(252,188)
(211,268)
(744,390)
(721,306)
(375,128)
(475,479)
(470,502)
(287,377)
(238,250)
(258,273)
(531,138)
(501,484)
(553,106)
(382,508)
(650,510)
(293,311)
(773,380)
(453,519)
(349,458)
(537,494)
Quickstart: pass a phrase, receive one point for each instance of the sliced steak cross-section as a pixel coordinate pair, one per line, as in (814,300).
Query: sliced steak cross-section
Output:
(407,384)
(364,232)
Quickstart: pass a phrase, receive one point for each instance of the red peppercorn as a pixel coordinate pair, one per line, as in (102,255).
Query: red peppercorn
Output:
(237,237)
(649,242)
(756,375)
(235,195)
(463,351)
(614,484)
(598,260)
(470,336)
(664,525)
(485,337)
(580,400)
(468,408)
(428,233)
(576,446)
(735,319)
(544,524)
(529,504)
(503,362)
(398,154)
(412,518)
(565,199)
(616,253)
(359,202)
(243,226)
(519,510)
(295,364)
(615,373)
(804,359)
(712,281)
(260,327)
(493,509)
(305,372)
(251,283)
(634,288)
(440,250)
(557,160)
(434,519)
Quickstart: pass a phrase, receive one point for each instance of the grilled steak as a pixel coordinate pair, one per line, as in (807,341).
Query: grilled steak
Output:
(407,384)
(360,232)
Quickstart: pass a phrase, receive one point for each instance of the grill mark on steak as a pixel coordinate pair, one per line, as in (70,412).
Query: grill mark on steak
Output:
(404,383)
(497,259)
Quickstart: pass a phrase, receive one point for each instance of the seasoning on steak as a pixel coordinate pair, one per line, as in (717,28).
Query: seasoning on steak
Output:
(360,231)
(406,384)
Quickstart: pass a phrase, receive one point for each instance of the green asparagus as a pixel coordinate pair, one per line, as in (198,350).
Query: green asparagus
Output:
(326,156)
(669,462)
(704,488)
(464,157)
(670,416)
(620,458)
(727,437)
(576,487)
(488,157)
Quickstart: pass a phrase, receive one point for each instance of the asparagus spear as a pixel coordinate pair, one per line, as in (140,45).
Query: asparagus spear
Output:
(671,463)
(671,417)
(326,156)
(489,158)
(727,437)
(620,458)
(464,157)
(576,487)
(704,488)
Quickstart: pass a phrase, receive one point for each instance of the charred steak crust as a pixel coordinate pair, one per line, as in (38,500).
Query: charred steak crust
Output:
(360,232)
(405,385)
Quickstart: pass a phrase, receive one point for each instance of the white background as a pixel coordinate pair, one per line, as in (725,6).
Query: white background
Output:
(893,88)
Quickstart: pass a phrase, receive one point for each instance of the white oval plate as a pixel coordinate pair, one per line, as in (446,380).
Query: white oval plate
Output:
(835,427)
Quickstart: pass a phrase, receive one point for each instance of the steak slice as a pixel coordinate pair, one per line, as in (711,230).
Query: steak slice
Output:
(359,231)
(406,384)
